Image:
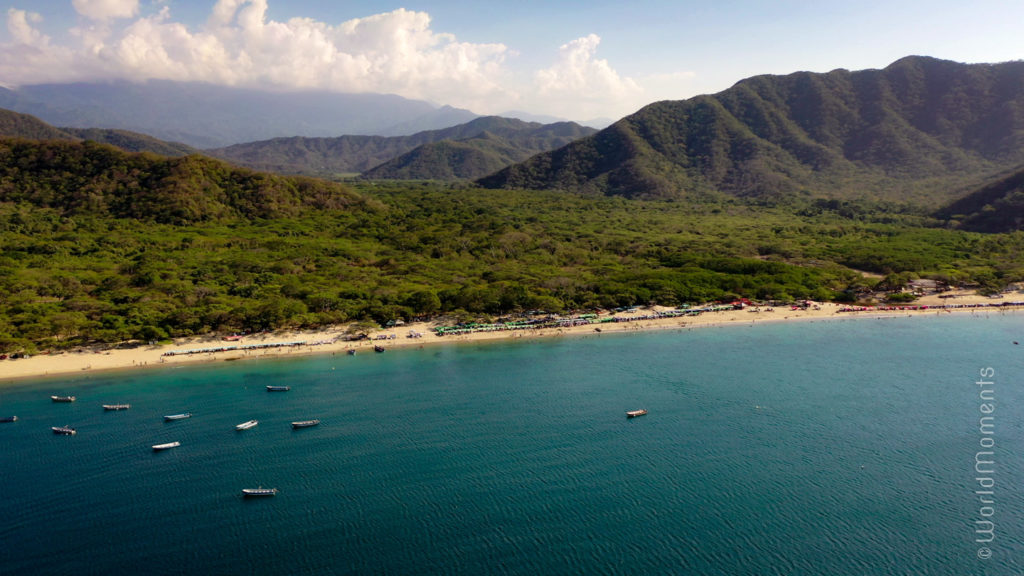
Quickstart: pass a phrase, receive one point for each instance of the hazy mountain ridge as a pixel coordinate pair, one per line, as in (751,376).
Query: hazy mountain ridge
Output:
(909,129)
(209,116)
(359,154)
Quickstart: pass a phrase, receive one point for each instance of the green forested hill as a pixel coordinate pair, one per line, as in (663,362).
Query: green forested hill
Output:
(15,125)
(918,130)
(995,207)
(131,141)
(449,160)
(475,157)
(100,180)
(329,157)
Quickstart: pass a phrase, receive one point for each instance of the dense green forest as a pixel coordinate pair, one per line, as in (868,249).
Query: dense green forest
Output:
(919,130)
(70,276)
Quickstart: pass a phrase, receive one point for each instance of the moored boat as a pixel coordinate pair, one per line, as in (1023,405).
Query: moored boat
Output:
(64,430)
(378,348)
(253,492)
(177,416)
(62,398)
(278,388)
(116,406)
(635,413)
(247,425)
(9,419)
(159,447)
(305,423)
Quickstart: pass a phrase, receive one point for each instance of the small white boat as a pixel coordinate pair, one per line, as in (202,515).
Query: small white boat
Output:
(64,430)
(635,413)
(278,388)
(247,425)
(305,423)
(62,398)
(177,416)
(116,406)
(159,447)
(253,492)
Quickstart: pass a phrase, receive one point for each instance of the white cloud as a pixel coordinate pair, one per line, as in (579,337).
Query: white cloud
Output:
(106,9)
(31,57)
(19,24)
(580,84)
(395,52)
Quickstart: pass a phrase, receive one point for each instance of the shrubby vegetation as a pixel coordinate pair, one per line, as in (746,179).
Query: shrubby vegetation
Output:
(70,276)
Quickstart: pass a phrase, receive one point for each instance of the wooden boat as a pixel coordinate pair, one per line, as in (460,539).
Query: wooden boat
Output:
(255,492)
(9,419)
(64,430)
(159,447)
(278,388)
(247,425)
(635,413)
(62,398)
(177,417)
(378,348)
(116,406)
(305,423)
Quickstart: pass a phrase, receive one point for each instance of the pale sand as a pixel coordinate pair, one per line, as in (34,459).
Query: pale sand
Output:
(69,363)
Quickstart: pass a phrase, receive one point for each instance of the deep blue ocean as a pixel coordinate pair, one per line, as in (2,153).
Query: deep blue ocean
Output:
(816,448)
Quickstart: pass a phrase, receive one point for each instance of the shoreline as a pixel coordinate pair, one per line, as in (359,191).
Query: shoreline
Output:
(200,350)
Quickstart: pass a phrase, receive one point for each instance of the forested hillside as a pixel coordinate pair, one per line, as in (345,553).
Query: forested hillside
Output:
(995,207)
(919,130)
(98,180)
(149,248)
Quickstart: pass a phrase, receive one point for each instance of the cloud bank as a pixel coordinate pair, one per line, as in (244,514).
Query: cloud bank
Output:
(395,52)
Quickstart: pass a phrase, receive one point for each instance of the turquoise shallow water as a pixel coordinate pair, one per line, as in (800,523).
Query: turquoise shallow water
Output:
(815,448)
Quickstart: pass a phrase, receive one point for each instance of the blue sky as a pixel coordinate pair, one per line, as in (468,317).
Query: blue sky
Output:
(573,59)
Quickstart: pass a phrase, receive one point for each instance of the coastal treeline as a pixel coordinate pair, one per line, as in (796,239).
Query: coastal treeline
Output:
(370,252)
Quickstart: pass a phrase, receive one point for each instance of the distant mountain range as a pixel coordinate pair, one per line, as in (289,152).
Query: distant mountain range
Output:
(209,116)
(920,130)
(465,151)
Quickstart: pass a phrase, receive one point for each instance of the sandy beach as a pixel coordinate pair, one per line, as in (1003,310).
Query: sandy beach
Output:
(331,341)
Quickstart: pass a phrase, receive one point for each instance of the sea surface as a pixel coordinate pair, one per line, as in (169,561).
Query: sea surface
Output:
(813,448)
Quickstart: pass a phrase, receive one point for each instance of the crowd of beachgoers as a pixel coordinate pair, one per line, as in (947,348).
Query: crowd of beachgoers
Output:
(239,347)
(931,307)
(340,339)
